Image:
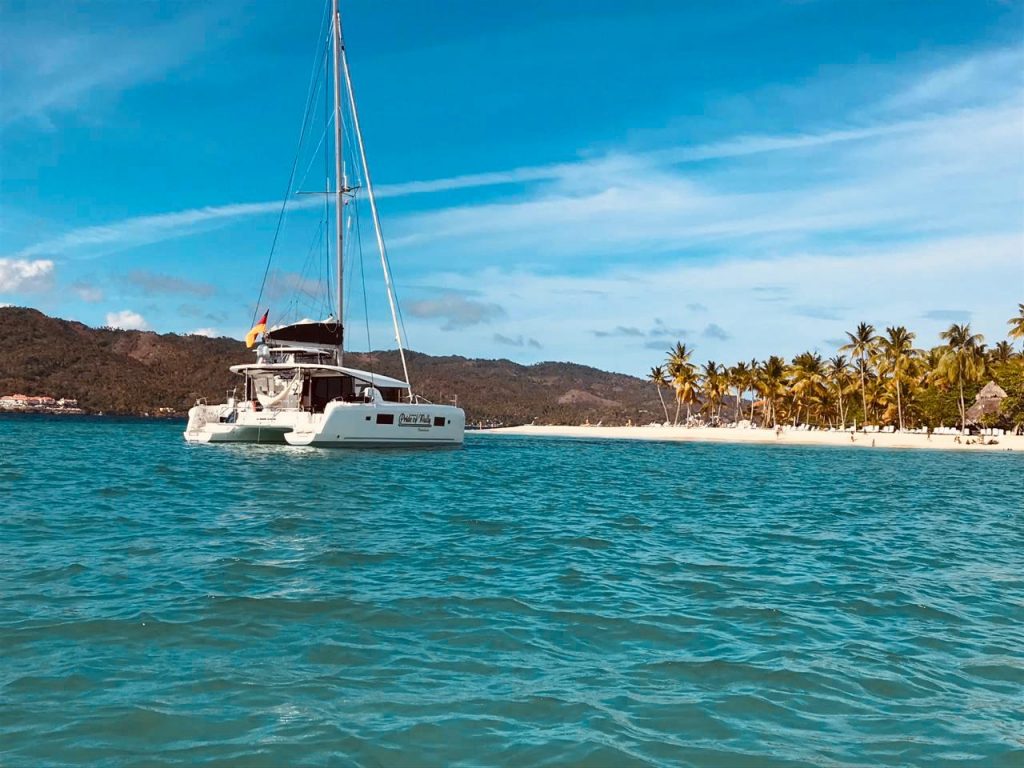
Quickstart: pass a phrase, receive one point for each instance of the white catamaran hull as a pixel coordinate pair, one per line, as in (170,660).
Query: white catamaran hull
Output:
(341,425)
(297,392)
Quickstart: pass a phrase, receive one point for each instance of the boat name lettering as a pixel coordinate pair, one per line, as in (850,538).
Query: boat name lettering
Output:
(414,420)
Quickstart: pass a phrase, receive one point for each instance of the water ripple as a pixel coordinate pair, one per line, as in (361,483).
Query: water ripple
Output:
(520,602)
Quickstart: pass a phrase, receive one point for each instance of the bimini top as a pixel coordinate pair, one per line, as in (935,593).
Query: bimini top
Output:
(326,333)
(367,377)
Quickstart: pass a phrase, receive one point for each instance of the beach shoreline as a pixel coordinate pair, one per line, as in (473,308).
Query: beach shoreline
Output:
(759,436)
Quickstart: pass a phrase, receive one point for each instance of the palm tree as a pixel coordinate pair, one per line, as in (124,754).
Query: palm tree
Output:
(897,351)
(808,382)
(772,383)
(660,380)
(683,377)
(962,361)
(714,388)
(686,384)
(1002,352)
(740,377)
(838,373)
(755,372)
(1017,323)
(862,343)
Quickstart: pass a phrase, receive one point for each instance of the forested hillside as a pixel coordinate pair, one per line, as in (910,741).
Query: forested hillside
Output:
(138,372)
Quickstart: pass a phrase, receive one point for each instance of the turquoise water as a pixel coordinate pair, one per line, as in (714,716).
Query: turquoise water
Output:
(518,602)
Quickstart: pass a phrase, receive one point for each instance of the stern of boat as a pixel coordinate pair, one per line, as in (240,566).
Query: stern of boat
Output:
(199,416)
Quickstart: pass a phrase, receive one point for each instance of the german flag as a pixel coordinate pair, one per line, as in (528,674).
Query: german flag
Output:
(260,327)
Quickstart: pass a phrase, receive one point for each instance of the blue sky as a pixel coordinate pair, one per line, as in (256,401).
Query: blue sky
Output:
(585,181)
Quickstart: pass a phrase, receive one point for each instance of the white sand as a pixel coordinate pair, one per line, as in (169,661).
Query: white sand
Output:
(768,437)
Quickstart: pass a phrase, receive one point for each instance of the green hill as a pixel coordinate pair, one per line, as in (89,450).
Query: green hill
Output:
(139,372)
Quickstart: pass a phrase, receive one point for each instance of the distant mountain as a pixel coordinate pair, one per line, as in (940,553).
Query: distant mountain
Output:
(138,372)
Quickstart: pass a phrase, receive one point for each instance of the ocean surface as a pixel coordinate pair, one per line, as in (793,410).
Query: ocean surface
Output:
(519,602)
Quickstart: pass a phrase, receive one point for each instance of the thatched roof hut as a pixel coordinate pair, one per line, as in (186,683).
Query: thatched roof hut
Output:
(987,402)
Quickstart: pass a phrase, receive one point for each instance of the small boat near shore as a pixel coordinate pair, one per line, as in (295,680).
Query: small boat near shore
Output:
(298,391)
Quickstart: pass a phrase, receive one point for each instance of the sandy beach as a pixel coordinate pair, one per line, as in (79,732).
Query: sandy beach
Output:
(769,437)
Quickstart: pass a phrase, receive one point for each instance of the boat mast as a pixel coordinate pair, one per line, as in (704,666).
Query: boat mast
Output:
(339,202)
(375,216)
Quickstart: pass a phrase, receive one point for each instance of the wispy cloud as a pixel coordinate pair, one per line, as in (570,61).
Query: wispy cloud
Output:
(621,330)
(736,147)
(283,284)
(911,183)
(516,341)
(53,65)
(716,332)
(824,276)
(947,315)
(87,291)
(154,284)
(142,230)
(818,312)
(456,310)
(575,176)
(895,173)
(662,329)
(983,76)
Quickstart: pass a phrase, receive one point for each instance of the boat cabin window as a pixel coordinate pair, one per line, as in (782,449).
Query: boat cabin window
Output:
(318,391)
(392,394)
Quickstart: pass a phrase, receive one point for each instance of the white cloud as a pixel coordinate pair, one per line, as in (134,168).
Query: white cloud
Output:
(25,274)
(127,320)
(887,285)
(208,332)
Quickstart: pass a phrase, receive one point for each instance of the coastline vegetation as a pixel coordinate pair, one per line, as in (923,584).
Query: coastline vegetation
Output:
(878,377)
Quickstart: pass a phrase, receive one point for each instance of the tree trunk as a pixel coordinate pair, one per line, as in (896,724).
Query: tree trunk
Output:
(899,404)
(863,392)
(675,422)
(663,406)
(963,409)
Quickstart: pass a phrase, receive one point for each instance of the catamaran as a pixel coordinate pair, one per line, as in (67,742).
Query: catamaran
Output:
(297,391)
